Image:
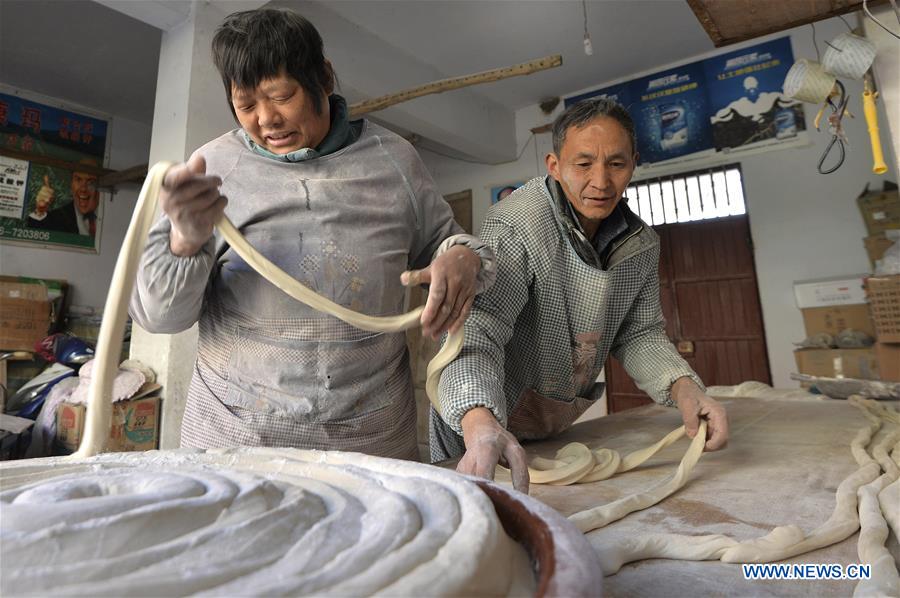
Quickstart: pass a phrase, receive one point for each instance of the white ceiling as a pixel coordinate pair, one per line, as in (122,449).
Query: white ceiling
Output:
(82,52)
(459,37)
(90,54)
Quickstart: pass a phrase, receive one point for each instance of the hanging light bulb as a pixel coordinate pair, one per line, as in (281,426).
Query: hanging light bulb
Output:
(588,46)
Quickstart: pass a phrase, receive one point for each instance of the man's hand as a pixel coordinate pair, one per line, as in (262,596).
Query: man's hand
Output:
(193,204)
(44,198)
(486,443)
(452,280)
(694,405)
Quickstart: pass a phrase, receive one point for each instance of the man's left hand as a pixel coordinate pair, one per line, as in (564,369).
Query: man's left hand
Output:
(452,278)
(694,405)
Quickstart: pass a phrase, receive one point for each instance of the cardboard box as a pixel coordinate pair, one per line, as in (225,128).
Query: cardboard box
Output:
(832,320)
(13,439)
(24,314)
(135,425)
(841,290)
(884,302)
(880,210)
(838,363)
(888,361)
(876,245)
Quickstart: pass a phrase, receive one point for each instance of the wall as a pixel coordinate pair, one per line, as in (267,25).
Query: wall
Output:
(89,274)
(804,225)
(887,75)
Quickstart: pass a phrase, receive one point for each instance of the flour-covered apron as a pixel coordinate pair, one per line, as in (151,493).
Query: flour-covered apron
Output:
(273,372)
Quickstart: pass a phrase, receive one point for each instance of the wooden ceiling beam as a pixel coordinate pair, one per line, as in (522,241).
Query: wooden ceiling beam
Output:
(731,21)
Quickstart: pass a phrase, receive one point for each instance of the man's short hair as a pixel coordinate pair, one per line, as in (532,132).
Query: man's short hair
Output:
(581,113)
(253,45)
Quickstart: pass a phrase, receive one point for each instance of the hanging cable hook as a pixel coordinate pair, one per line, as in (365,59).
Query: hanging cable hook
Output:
(838,108)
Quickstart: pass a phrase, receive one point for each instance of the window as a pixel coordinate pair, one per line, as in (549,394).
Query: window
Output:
(699,195)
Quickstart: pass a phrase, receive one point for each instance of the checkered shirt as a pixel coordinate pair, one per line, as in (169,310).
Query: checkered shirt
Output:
(528,330)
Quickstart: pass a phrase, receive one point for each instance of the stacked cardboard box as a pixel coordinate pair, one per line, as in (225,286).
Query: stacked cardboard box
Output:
(881,213)
(876,245)
(884,297)
(29,309)
(831,306)
(880,209)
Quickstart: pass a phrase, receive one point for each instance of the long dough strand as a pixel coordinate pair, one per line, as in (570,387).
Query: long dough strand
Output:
(788,541)
(597,517)
(109,342)
(575,463)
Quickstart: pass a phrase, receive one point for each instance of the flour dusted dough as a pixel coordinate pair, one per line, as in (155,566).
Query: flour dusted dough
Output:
(873,533)
(889,498)
(875,510)
(575,463)
(787,541)
(877,502)
(598,517)
(658,546)
(251,522)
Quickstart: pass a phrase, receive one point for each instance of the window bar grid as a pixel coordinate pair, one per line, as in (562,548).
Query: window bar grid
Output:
(703,194)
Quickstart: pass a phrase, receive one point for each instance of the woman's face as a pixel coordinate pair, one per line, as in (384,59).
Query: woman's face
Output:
(280,116)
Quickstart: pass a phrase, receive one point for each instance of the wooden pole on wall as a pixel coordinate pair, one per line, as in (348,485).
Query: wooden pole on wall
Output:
(55,162)
(110,178)
(526,68)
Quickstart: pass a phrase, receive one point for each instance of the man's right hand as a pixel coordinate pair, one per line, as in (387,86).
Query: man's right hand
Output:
(486,443)
(193,204)
(44,198)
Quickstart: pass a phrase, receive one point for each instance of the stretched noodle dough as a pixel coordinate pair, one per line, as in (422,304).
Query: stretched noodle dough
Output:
(109,342)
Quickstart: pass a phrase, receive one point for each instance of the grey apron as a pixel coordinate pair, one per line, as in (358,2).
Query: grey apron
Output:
(271,371)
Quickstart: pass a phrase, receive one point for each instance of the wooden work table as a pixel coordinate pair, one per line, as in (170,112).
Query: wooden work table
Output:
(784,460)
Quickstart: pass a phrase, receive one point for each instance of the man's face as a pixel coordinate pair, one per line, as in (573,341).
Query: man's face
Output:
(593,168)
(42,203)
(84,192)
(280,116)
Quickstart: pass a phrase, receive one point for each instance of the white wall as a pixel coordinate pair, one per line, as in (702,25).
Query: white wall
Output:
(804,225)
(89,274)
(887,77)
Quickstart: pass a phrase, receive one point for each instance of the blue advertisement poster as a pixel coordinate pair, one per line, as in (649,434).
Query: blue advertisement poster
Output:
(620,93)
(724,102)
(745,95)
(40,201)
(671,113)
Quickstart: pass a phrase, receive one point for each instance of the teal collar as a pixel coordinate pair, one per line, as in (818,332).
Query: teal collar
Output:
(340,135)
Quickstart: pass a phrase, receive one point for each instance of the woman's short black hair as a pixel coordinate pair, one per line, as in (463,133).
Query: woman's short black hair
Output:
(253,45)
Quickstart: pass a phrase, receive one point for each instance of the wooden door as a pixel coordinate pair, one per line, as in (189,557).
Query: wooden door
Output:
(710,301)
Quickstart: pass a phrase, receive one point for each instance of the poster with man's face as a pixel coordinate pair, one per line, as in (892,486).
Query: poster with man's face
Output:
(501,192)
(49,175)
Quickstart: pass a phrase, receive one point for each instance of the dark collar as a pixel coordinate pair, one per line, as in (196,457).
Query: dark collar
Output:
(621,222)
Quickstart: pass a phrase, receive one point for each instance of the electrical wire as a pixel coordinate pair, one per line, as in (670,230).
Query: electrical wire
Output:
(584,8)
(815,45)
(879,23)
(588,46)
(841,17)
(837,134)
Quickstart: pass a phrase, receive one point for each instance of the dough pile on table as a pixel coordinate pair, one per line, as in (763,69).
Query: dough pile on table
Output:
(250,522)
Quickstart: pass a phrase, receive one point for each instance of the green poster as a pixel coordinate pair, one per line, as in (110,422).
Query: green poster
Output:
(47,204)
